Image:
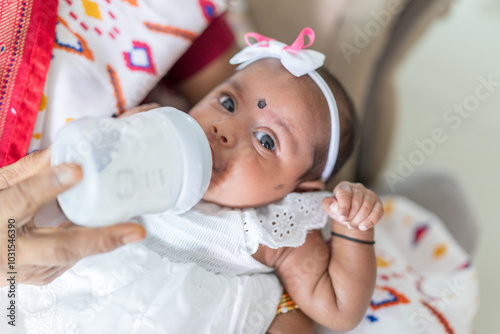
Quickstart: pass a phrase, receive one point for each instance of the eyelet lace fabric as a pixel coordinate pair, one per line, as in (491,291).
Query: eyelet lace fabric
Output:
(286,222)
(222,240)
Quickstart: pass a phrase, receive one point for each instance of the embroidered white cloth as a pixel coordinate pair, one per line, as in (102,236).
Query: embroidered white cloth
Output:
(222,240)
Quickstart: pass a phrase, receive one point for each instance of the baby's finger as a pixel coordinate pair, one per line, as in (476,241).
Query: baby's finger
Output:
(343,194)
(327,203)
(364,211)
(330,205)
(374,217)
(356,203)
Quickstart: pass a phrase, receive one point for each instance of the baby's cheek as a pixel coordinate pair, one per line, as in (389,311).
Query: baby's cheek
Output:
(213,190)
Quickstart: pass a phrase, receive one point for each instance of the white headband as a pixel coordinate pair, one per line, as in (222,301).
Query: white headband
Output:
(298,61)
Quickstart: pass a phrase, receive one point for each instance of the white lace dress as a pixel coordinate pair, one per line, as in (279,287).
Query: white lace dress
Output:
(222,240)
(193,274)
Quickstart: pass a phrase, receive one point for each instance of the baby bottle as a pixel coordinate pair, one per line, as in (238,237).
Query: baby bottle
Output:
(151,162)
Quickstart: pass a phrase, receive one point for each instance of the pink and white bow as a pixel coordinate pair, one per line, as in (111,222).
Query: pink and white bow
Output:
(295,58)
(299,61)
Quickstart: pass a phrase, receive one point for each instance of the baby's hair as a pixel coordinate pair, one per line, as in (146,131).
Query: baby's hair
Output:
(348,131)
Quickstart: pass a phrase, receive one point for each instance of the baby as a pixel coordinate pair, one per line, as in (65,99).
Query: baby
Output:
(278,129)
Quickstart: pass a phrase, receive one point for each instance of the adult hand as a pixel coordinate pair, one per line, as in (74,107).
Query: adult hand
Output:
(39,255)
(138,109)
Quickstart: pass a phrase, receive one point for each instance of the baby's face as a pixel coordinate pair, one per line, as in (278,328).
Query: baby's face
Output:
(262,125)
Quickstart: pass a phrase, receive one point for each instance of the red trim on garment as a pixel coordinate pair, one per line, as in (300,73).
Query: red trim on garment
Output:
(28,38)
(214,40)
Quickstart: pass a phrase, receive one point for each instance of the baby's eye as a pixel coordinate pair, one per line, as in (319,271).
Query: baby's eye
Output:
(227,103)
(265,140)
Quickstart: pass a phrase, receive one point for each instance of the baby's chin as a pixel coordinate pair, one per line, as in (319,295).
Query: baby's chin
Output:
(234,201)
(223,191)
(211,197)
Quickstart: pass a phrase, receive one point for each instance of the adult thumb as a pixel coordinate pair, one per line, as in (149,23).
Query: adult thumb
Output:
(23,199)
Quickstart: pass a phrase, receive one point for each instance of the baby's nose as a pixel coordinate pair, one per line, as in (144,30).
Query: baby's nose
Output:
(225,134)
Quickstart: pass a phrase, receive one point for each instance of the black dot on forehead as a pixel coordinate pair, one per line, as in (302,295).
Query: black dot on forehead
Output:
(262,104)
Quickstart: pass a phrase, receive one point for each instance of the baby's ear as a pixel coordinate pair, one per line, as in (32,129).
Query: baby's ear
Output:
(316,185)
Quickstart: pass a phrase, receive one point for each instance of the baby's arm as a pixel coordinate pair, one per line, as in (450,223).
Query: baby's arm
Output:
(292,322)
(333,286)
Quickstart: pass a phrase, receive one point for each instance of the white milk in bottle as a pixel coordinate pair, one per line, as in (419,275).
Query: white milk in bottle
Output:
(151,162)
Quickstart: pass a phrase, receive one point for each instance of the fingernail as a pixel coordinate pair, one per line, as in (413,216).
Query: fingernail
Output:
(66,175)
(132,238)
(342,218)
(334,207)
(349,227)
(363,227)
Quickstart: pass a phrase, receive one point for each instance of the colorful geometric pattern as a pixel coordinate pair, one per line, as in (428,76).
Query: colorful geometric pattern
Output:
(466,265)
(208,9)
(78,47)
(131,2)
(117,90)
(381,262)
(385,296)
(92,9)
(140,58)
(388,206)
(165,29)
(43,103)
(439,251)
(94,33)
(442,320)
(419,232)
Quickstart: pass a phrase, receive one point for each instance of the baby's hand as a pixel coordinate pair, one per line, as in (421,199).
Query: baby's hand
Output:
(354,206)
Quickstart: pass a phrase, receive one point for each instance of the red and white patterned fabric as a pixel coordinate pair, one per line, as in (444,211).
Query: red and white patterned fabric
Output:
(109,54)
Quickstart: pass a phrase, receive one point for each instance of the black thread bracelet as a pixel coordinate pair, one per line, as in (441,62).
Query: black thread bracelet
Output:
(354,239)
